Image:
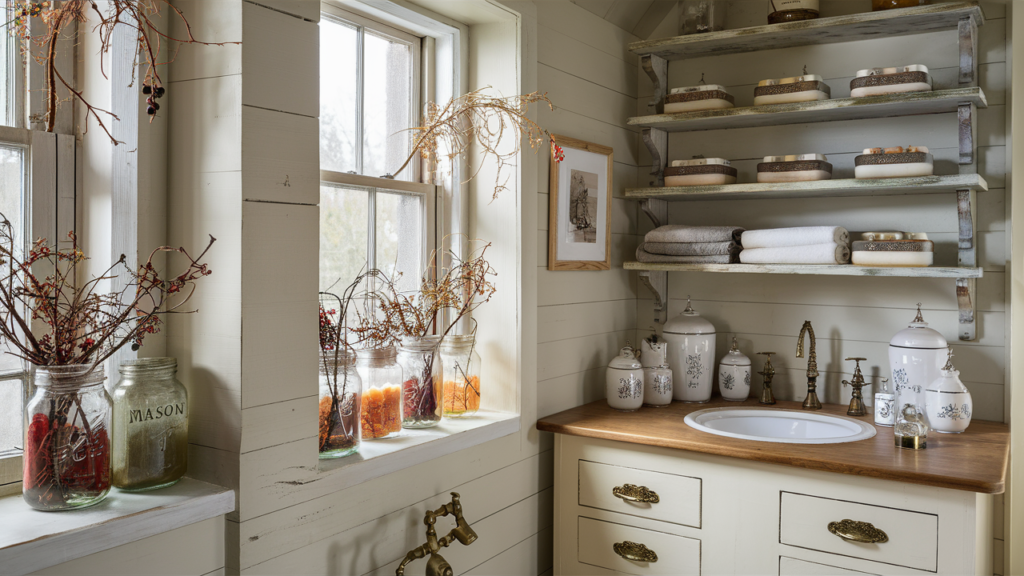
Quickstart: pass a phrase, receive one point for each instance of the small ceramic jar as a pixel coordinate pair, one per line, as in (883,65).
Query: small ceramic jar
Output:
(653,351)
(624,382)
(691,355)
(948,402)
(734,375)
(658,386)
(885,405)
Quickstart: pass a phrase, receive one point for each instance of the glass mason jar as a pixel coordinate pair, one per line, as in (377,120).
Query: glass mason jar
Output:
(150,425)
(460,365)
(381,405)
(340,392)
(421,391)
(67,442)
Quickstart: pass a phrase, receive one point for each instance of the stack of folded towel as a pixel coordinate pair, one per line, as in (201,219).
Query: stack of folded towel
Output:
(806,245)
(676,244)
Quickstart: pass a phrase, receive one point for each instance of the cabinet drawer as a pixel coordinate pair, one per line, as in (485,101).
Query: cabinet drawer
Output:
(675,554)
(793,567)
(913,536)
(678,496)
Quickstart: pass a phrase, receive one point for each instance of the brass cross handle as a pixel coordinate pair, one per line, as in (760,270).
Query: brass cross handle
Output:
(634,551)
(854,531)
(634,493)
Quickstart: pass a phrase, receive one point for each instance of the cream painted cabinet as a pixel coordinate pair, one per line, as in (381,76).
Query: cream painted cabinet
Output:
(627,508)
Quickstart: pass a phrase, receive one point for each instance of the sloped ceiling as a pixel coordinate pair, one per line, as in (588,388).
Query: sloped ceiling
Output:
(639,17)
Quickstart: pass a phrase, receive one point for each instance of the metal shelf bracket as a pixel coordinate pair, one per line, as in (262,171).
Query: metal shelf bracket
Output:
(657,283)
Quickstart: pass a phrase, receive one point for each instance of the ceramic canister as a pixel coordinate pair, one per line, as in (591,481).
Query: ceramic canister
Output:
(885,405)
(691,355)
(734,374)
(624,381)
(653,351)
(658,386)
(916,356)
(948,402)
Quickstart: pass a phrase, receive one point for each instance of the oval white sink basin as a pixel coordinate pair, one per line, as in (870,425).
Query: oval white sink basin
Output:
(788,426)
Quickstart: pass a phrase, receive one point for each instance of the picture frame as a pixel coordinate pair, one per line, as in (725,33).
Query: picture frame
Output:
(580,206)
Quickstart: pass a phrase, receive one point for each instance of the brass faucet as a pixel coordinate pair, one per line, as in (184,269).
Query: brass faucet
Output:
(811,402)
(436,564)
(857,401)
(767,397)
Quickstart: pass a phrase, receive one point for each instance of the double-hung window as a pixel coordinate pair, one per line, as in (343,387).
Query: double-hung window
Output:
(371,214)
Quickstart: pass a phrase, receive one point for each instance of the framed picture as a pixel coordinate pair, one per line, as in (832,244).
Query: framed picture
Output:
(579,230)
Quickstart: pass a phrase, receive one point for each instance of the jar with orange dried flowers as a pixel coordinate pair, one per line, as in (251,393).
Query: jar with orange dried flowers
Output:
(381,411)
(460,365)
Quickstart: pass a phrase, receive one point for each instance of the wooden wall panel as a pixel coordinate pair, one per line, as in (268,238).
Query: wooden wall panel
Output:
(219,21)
(281,161)
(278,72)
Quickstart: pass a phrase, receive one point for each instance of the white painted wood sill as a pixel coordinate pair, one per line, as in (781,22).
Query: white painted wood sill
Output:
(31,540)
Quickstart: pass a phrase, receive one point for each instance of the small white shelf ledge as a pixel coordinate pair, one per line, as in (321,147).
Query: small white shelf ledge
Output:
(811,269)
(31,540)
(838,109)
(816,189)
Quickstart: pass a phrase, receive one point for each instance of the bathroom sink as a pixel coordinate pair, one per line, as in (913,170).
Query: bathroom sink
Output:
(787,426)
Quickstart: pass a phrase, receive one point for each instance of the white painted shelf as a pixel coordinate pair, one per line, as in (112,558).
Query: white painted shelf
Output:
(810,269)
(862,26)
(818,189)
(31,540)
(886,106)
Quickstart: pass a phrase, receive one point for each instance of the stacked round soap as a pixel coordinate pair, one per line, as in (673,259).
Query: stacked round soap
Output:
(900,249)
(896,162)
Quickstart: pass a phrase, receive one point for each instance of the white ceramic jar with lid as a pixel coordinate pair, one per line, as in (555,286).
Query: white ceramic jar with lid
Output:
(691,355)
(734,374)
(657,385)
(916,356)
(948,402)
(624,381)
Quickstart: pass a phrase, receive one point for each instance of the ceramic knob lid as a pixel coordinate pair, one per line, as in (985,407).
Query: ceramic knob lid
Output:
(734,357)
(626,360)
(919,335)
(689,322)
(950,379)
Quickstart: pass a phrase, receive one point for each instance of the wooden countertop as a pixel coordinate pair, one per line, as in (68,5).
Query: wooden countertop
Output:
(974,461)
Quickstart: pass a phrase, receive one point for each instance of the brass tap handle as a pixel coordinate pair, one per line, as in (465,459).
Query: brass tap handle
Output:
(634,551)
(855,531)
(634,493)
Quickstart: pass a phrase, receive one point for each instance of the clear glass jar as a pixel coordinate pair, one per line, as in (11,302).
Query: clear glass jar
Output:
(699,16)
(460,365)
(381,404)
(150,425)
(340,394)
(421,390)
(67,442)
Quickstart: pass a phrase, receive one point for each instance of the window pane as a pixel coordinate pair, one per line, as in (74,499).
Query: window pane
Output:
(344,232)
(400,237)
(8,59)
(12,205)
(12,401)
(339,49)
(387,66)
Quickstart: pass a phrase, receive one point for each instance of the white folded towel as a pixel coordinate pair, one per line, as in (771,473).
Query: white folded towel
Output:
(802,236)
(817,254)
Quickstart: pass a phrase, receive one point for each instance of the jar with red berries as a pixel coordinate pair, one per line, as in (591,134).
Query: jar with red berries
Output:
(67,438)
(421,389)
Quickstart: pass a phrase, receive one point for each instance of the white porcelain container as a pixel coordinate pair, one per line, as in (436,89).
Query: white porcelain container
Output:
(653,351)
(658,386)
(885,405)
(624,381)
(691,355)
(948,402)
(916,356)
(734,375)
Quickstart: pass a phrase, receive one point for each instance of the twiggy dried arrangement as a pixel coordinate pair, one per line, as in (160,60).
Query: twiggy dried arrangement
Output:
(58,16)
(449,131)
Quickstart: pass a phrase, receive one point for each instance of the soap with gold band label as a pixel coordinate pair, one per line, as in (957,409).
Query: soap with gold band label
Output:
(700,172)
(806,88)
(698,98)
(894,80)
(894,162)
(794,168)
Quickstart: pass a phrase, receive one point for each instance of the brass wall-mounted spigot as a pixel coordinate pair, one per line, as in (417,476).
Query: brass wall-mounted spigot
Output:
(768,372)
(436,564)
(857,402)
(811,402)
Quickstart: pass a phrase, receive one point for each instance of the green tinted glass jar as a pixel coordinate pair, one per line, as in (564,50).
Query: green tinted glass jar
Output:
(150,425)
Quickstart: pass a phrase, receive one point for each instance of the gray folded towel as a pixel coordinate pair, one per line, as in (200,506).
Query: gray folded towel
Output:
(691,248)
(648,258)
(680,233)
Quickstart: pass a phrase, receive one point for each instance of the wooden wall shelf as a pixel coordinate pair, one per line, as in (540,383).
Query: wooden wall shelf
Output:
(886,106)
(812,269)
(862,26)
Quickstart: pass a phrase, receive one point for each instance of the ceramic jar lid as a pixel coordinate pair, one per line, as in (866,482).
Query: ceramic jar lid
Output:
(950,379)
(689,322)
(919,335)
(626,360)
(734,357)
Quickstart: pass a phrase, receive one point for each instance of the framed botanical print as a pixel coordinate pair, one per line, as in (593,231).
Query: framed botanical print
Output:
(579,230)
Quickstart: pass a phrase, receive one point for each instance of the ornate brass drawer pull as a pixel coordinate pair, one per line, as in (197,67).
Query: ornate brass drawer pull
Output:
(634,551)
(855,531)
(634,493)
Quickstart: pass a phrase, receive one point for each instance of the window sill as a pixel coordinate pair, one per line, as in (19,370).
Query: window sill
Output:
(377,458)
(31,540)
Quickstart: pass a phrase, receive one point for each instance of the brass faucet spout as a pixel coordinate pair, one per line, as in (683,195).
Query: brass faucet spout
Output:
(811,402)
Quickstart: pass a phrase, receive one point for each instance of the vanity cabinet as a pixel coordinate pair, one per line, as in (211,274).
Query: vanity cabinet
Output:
(620,505)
